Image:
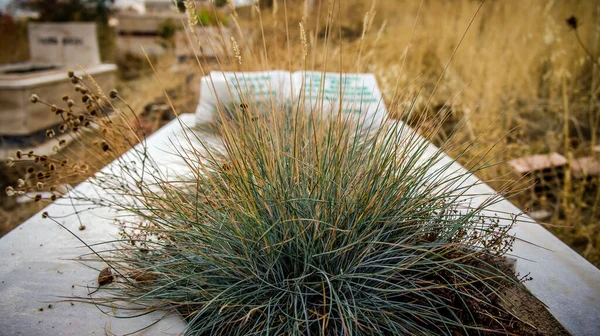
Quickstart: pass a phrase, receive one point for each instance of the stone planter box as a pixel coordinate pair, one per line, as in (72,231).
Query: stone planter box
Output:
(17,83)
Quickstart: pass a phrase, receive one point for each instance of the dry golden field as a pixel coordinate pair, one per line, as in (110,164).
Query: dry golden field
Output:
(512,73)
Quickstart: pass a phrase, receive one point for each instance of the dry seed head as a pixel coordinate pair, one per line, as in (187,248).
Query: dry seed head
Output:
(113,94)
(85,98)
(10,191)
(190,10)
(30,169)
(53,197)
(65,97)
(38,198)
(20,183)
(50,133)
(71,74)
(10,161)
(19,154)
(236,50)
(45,214)
(34,98)
(70,103)
(303,41)
(40,185)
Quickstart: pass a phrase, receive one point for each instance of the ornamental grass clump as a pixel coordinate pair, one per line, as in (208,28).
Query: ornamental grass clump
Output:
(302,225)
(297,221)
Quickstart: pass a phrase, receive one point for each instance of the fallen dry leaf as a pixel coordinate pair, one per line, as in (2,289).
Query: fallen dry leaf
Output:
(105,277)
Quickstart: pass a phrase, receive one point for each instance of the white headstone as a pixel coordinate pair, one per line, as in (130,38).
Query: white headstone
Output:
(71,44)
(357,95)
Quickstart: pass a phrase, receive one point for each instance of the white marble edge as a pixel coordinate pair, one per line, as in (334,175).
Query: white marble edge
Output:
(53,76)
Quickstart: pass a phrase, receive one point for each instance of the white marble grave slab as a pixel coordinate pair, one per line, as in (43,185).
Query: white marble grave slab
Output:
(34,269)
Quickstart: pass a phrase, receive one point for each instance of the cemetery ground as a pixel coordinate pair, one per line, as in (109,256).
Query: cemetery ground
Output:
(529,88)
(515,93)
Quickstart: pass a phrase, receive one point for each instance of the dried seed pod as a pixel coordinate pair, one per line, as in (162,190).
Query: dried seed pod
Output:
(19,154)
(105,277)
(34,98)
(113,94)
(10,191)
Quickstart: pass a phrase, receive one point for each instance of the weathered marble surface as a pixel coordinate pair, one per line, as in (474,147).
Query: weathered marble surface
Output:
(35,270)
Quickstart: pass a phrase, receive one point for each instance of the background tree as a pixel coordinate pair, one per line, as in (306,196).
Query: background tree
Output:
(69,10)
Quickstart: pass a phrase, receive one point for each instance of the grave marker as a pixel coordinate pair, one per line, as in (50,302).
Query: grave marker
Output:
(69,44)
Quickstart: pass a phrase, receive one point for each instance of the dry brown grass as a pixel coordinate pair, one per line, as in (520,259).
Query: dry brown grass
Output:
(519,79)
